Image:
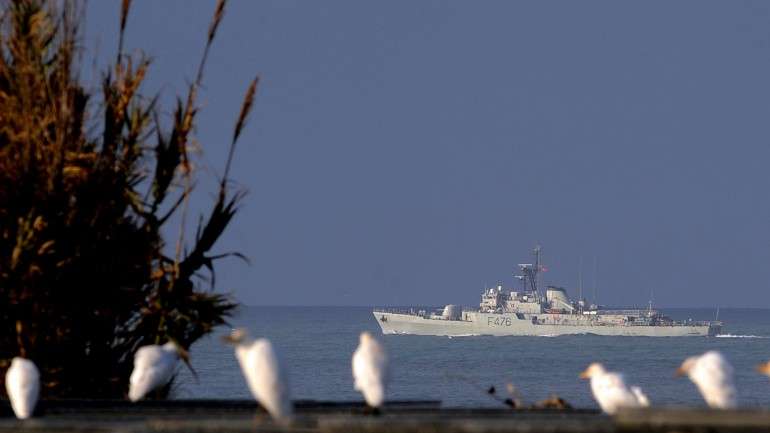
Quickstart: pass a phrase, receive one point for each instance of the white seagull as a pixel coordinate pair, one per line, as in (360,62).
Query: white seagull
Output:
(264,376)
(713,376)
(370,370)
(154,366)
(22,382)
(610,390)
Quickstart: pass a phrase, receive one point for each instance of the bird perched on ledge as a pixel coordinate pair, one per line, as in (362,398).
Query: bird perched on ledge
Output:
(553,402)
(22,383)
(154,366)
(264,376)
(370,370)
(610,390)
(713,376)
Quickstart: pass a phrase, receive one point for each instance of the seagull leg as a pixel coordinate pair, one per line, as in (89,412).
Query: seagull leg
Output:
(371,411)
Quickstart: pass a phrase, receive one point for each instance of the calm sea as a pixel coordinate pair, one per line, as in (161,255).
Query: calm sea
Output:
(316,344)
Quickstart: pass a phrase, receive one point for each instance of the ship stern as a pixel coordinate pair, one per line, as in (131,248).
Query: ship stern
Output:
(715,328)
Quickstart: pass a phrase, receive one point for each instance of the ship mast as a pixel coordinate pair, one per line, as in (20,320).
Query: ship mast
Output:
(537,267)
(596,267)
(580,285)
(649,309)
(530,272)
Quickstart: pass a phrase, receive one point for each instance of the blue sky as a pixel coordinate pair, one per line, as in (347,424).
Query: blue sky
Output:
(411,152)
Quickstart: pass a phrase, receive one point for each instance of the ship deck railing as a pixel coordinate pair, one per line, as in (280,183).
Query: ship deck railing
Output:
(415,310)
(427,312)
(420,312)
(396,310)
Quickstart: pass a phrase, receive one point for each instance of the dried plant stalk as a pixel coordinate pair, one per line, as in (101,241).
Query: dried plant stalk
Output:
(84,273)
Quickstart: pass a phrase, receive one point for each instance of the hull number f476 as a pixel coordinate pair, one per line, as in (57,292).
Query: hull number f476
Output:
(498,321)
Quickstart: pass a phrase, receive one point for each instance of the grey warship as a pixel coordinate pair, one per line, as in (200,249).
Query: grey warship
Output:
(529,312)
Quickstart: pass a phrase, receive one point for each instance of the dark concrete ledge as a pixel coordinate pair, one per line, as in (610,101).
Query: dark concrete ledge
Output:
(206,407)
(692,420)
(215,416)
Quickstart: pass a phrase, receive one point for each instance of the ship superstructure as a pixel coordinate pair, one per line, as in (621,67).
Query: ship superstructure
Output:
(528,311)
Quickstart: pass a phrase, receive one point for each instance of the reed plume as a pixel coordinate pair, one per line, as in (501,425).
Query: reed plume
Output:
(85,274)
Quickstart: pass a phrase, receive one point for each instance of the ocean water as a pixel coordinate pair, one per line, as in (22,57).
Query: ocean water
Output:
(316,344)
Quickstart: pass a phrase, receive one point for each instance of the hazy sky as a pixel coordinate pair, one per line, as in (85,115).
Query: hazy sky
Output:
(410,152)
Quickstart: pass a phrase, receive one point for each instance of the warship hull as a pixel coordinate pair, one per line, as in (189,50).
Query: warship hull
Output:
(501,324)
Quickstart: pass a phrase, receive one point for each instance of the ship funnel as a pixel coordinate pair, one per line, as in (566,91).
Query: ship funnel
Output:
(557,297)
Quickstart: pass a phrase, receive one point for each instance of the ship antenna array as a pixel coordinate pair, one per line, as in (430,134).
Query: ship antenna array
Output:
(530,272)
(580,285)
(537,268)
(596,267)
(649,311)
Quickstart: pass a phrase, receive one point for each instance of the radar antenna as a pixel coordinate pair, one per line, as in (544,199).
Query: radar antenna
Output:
(530,271)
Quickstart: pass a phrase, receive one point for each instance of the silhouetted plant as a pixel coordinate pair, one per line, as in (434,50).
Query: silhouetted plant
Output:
(85,273)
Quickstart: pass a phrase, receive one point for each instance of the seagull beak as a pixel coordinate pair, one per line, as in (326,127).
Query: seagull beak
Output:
(584,374)
(234,338)
(680,372)
(764,368)
(228,339)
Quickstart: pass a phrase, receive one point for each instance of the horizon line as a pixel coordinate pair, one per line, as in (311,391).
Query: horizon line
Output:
(438,306)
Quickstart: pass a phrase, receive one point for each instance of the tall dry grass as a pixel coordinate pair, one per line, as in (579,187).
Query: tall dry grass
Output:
(86,191)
